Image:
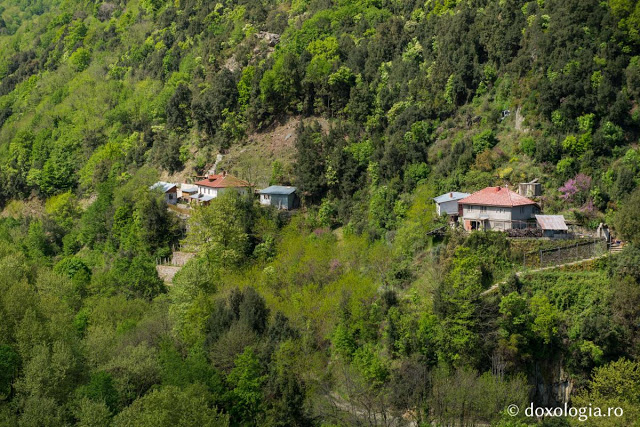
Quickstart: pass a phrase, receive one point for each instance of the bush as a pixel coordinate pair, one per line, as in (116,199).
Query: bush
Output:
(80,59)
(626,221)
(485,140)
(528,146)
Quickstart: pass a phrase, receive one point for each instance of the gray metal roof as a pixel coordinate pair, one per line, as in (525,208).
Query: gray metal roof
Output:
(449,197)
(278,189)
(164,186)
(551,222)
(202,197)
(189,188)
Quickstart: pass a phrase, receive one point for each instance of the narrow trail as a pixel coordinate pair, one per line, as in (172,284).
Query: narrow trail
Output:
(495,287)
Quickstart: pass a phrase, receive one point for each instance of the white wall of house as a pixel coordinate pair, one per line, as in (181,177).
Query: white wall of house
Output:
(498,218)
(215,192)
(265,199)
(208,191)
(484,212)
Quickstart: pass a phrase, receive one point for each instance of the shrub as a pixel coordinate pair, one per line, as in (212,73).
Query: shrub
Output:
(80,59)
(485,140)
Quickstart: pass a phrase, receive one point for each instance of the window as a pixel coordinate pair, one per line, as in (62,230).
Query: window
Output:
(483,208)
(521,209)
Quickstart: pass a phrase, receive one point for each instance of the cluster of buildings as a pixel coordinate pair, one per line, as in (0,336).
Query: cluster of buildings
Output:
(501,209)
(210,186)
(492,208)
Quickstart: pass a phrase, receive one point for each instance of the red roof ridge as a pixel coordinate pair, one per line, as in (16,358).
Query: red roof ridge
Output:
(494,196)
(222,181)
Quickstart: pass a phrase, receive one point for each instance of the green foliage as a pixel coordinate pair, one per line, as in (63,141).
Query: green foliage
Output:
(245,85)
(171,406)
(485,140)
(9,367)
(101,389)
(576,146)
(566,166)
(63,208)
(613,385)
(545,318)
(528,146)
(221,229)
(626,221)
(350,302)
(246,380)
(80,59)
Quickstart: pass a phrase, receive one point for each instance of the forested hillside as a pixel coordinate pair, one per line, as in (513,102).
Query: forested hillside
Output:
(347,311)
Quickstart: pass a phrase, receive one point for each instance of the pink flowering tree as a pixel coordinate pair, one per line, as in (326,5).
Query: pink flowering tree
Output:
(576,189)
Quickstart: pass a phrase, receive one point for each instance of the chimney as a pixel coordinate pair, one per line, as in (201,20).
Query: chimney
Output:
(224,173)
(451,195)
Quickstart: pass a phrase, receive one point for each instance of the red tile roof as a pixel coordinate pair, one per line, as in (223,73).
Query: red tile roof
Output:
(222,181)
(496,196)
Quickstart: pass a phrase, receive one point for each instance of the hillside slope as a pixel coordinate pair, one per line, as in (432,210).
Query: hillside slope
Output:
(349,311)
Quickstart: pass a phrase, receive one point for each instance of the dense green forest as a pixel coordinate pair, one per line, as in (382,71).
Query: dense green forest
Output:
(345,312)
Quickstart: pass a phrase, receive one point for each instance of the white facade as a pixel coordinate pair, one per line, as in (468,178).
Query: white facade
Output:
(208,191)
(478,217)
(448,203)
(215,192)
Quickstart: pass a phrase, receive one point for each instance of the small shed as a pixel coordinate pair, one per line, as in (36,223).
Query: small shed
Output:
(447,204)
(552,226)
(169,190)
(530,189)
(187,191)
(279,196)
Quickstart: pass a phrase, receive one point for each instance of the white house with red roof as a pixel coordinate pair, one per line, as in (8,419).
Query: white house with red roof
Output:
(498,208)
(214,185)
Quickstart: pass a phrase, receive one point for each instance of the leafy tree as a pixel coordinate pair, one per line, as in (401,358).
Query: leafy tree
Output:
(312,149)
(528,146)
(212,99)
(90,413)
(484,141)
(138,276)
(246,380)
(9,367)
(613,385)
(80,59)
(222,228)
(178,108)
(101,389)
(63,208)
(171,406)
(180,371)
(626,222)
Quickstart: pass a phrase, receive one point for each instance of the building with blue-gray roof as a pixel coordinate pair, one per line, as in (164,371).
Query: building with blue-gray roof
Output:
(279,196)
(169,189)
(447,204)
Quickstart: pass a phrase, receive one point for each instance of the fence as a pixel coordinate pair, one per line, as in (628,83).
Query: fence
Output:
(567,254)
